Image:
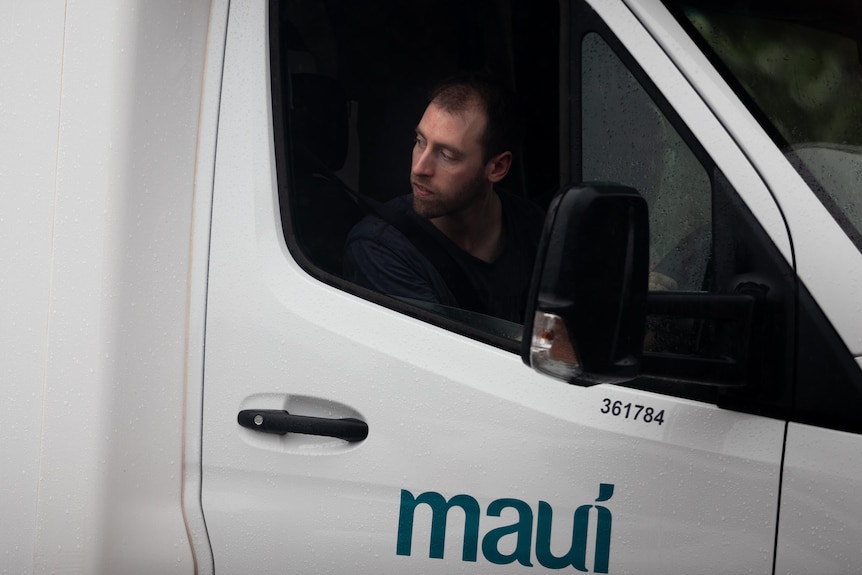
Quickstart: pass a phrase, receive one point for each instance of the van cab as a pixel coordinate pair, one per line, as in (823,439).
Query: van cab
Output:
(193,385)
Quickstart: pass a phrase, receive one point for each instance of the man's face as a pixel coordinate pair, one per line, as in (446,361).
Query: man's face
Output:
(448,172)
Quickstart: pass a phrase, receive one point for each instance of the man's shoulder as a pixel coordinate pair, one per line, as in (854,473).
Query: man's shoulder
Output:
(379,256)
(374,228)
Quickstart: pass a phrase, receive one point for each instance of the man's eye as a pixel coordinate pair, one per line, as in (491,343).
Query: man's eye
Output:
(447,156)
(418,143)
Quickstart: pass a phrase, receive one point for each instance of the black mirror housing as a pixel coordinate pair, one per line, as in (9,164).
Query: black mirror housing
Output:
(587,308)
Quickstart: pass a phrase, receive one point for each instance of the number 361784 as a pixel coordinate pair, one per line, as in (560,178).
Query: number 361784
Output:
(633,411)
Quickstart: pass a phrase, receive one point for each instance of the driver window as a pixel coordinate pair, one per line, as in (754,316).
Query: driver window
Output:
(351,85)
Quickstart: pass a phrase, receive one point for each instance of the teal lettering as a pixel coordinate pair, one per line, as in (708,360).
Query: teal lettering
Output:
(606,491)
(440,510)
(523,528)
(576,556)
(603,540)
(603,529)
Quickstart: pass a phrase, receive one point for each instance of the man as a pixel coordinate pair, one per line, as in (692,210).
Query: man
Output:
(463,147)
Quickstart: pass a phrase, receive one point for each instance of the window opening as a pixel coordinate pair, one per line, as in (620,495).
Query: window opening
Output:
(353,79)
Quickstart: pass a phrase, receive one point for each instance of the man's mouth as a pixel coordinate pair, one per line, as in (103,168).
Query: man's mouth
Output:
(420,190)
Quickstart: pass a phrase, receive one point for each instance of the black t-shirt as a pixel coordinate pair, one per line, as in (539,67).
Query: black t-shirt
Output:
(378,256)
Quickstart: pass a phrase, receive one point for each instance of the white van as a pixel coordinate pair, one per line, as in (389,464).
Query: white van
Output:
(192,386)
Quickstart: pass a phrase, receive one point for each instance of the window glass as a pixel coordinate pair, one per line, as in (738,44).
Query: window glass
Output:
(351,84)
(799,67)
(628,140)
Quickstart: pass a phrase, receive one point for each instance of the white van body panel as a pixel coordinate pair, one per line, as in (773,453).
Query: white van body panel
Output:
(31,64)
(821,511)
(108,188)
(197,296)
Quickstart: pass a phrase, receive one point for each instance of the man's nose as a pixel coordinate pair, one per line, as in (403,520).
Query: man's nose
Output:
(422,163)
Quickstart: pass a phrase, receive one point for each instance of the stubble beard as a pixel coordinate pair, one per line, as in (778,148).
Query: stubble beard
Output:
(448,202)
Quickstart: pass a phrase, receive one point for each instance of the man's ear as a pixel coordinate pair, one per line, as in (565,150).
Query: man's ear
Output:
(498,166)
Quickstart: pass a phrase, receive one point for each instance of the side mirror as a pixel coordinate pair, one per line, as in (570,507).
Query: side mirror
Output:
(585,321)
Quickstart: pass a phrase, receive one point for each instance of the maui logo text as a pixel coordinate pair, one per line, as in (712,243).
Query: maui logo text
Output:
(522,529)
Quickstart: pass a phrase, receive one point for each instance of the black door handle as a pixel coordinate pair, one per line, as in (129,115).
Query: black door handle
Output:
(280,421)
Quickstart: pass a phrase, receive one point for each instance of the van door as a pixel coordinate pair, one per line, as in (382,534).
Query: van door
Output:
(471,459)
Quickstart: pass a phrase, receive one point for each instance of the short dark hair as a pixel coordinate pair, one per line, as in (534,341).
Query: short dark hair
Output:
(503,131)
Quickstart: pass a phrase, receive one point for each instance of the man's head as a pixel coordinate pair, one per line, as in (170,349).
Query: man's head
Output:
(464,145)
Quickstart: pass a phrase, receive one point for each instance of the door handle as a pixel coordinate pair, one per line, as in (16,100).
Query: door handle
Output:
(281,422)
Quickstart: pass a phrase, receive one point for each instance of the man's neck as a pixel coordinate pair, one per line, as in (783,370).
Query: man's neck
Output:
(478,230)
